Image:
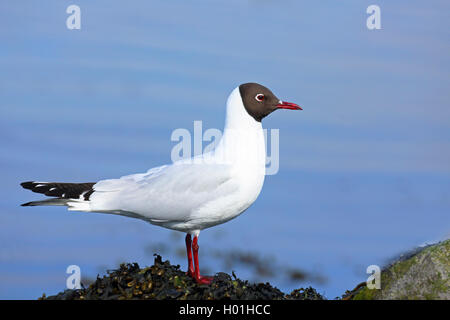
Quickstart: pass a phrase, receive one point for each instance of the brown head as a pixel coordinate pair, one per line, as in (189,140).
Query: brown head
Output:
(260,101)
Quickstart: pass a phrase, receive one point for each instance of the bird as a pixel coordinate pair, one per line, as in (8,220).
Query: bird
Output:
(188,195)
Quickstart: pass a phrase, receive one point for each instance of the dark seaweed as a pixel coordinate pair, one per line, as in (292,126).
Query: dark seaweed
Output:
(166,281)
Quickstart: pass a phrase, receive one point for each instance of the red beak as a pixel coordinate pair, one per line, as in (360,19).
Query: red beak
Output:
(288,105)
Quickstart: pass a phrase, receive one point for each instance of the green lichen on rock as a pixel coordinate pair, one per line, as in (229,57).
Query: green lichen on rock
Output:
(419,275)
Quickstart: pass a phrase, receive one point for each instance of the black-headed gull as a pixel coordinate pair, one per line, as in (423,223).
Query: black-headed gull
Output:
(188,195)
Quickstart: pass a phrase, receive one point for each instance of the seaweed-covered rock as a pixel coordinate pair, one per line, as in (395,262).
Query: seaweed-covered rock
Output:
(165,281)
(420,274)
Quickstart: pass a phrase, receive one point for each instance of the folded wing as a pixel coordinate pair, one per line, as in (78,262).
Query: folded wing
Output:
(167,193)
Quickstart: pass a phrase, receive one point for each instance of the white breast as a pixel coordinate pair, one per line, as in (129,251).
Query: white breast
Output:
(242,147)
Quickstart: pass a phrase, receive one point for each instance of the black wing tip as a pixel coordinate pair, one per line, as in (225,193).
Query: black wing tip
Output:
(27,204)
(27,184)
(60,189)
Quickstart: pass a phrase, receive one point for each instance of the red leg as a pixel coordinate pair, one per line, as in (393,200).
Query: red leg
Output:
(200,279)
(190,271)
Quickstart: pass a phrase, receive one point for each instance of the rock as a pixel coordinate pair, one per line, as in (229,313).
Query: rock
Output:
(418,275)
(165,281)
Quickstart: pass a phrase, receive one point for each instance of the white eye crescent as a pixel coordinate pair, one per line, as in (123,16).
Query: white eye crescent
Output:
(259,97)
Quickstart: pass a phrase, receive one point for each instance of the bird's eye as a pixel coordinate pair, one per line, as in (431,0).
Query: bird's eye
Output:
(259,97)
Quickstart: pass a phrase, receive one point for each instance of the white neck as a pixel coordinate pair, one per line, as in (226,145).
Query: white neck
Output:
(237,116)
(242,142)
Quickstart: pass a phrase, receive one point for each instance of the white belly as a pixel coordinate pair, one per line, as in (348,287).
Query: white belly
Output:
(222,209)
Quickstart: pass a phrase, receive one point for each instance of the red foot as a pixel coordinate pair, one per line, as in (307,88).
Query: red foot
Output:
(204,280)
(193,269)
(190,273)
